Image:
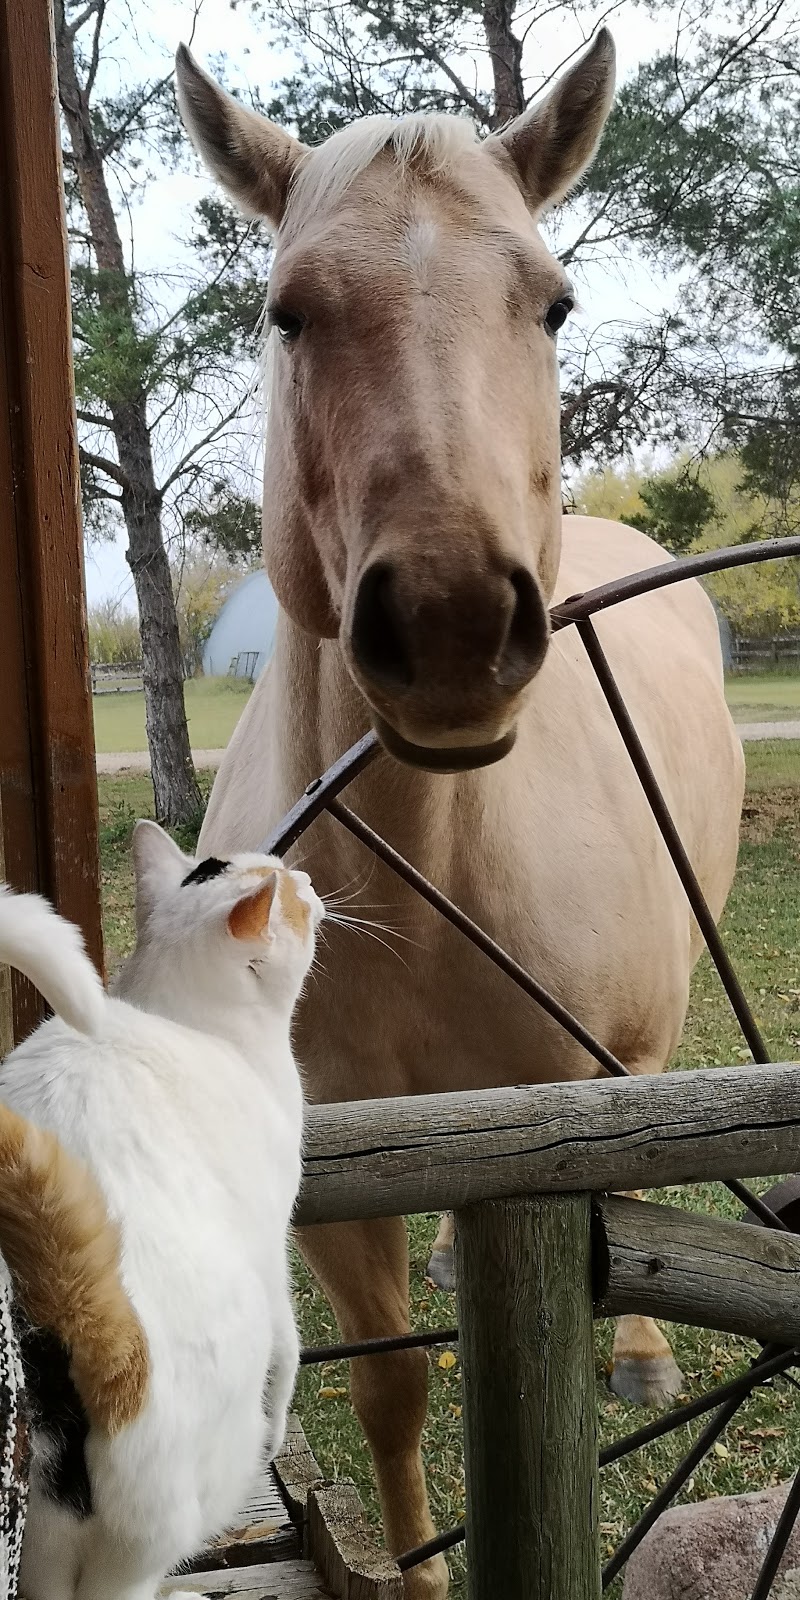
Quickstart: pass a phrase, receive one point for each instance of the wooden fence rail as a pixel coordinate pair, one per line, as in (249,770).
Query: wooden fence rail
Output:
(380,1158)
(542,1248)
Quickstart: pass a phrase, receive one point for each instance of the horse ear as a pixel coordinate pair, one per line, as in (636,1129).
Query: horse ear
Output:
(553,143)
(253,159)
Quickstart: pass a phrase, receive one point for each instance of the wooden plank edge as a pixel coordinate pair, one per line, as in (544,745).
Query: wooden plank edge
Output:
(298,1472)
(343,1548)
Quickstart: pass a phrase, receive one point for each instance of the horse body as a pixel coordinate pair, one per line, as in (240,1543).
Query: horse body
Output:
(554,851)
(414,537)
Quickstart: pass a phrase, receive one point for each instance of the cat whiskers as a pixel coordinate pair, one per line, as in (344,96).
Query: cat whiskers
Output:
(368,928)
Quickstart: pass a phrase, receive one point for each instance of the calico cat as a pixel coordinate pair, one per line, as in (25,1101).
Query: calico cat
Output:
(180,1095)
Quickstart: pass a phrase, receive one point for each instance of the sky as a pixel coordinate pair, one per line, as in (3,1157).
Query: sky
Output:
(158,224)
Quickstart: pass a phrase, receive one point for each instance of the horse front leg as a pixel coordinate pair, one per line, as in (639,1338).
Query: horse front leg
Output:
(441,1268)
(644,1369)
(363,1269)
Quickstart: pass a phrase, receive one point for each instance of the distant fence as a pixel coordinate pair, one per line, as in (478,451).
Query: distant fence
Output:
(122,677)
(752,655)
(247,664)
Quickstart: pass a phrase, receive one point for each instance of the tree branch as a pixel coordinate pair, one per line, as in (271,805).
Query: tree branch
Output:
(93,418)
(103,464)
(115,139)
(74,27)
(187,461)
(430,52)
(95,56)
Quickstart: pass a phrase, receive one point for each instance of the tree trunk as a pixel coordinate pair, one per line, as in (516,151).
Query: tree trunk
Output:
(505,51)
(177,796)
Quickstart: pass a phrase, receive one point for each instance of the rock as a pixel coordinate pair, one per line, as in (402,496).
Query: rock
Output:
(713,1550)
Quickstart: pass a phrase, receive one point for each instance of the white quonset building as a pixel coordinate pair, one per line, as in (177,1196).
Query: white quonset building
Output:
(243,635)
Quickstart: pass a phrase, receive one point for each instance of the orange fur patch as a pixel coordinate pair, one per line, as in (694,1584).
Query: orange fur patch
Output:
(63,1253)
(295,910)
(250,916)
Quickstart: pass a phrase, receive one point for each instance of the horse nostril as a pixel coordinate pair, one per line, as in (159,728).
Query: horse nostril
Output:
(525,643)
(376,636)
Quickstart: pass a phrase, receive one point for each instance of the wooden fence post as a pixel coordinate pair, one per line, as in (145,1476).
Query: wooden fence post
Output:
(47,769)
(525,1319)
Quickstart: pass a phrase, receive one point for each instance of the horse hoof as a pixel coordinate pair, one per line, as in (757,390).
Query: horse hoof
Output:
(428,1582)
(441,1269)
(656,1381)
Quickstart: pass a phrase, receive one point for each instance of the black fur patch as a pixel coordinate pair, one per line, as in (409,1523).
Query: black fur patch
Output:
(210,868)
(57,1414)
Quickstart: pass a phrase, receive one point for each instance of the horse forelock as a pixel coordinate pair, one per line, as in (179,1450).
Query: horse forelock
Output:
(331,168)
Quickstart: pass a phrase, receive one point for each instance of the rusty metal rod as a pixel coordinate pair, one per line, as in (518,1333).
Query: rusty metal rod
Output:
(581,606)
(415,880)
(319,793)
(314,1354)
(673,841)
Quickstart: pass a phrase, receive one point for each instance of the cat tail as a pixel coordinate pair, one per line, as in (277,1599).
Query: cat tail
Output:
(63,1254)
(51,952)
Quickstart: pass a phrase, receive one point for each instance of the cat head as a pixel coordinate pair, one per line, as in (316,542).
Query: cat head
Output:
(247,917)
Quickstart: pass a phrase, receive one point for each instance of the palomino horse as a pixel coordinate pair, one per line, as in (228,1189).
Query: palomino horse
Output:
(413,533)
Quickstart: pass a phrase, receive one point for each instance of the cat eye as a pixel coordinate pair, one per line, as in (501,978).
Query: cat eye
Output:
(558,313)
(288,324)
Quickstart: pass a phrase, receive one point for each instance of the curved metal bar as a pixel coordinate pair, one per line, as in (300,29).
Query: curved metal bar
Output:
(319,794)
(673,841)
(581,606)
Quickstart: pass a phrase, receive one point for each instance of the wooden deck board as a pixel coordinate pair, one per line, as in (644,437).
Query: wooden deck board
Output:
(262,1532)
(277,1580)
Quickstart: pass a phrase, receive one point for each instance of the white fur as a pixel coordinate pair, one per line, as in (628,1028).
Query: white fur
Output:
(194,1137)
(51,952)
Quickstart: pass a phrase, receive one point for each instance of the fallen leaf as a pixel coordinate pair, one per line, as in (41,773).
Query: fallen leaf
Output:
(722,1451)
(447,1361)
(456,1410)
(330,1394)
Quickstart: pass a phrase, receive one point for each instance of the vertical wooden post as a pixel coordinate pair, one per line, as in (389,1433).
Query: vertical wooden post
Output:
(525,1320)
(48,790)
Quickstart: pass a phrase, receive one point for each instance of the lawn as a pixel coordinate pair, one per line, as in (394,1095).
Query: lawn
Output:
(762,1445)
(764,696)
(213,707)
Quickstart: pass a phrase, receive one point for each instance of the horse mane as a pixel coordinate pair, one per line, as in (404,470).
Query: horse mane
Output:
(433,139)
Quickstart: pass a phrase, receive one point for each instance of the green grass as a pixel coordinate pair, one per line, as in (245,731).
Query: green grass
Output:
(762,1445)
(764,696)
(213,707)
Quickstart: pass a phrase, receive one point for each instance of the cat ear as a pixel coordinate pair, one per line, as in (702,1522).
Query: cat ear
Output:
(158,865)
(249,918)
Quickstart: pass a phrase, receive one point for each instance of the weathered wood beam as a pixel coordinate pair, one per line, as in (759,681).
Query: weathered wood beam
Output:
(660,1262)
(47,775)
(527,1357)
(378,1158)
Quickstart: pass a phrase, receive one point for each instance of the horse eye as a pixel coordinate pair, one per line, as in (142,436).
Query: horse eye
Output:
(288,323)
(558,313)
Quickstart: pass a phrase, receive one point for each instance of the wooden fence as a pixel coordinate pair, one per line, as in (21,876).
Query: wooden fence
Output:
(758,655)
(542,1248)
